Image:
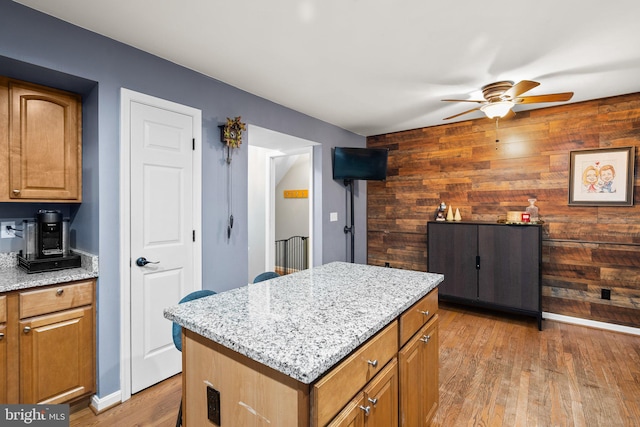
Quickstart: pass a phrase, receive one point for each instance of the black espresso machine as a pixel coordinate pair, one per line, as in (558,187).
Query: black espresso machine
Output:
(46,244)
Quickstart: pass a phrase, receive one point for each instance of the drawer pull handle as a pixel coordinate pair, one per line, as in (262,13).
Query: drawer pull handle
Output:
(27,329)
(373,363)
(425,339)
(366,409)
(16,192)
(426,313)
(373,401)
(1,336)
(59,291)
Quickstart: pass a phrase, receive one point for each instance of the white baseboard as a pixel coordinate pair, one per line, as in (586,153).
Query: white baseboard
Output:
(591,323)
(100,404)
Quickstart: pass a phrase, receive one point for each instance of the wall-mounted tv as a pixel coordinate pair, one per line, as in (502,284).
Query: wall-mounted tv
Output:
(360,163)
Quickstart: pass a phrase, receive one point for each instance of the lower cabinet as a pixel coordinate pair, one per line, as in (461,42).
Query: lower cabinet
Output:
(405,392)
(56,356)
(376,405)
(3,349)
(53,330)
(418,366)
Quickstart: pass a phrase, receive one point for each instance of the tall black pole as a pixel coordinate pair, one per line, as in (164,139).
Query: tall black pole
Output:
(351,229)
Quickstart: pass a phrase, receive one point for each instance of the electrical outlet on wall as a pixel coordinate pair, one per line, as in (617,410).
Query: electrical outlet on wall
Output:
(7,231)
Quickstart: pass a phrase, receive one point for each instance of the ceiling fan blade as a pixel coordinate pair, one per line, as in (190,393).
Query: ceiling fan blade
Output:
(553,97)
(463,100)
(519,88)
(460,114)
(510,115)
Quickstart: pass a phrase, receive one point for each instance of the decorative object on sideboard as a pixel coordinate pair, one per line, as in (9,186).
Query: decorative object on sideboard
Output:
(601,177)
(457,216)
(450,214)
(532,210)
(440,210)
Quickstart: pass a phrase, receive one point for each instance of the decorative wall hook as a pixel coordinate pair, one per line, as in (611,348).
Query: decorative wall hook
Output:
(231,134)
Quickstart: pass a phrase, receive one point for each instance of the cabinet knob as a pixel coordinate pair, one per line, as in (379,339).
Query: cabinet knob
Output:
(16,192)
(366,409)
(426,313)
(59,291)
(373,363)
(27,329)
(425,339)
(1,336)
(373,401)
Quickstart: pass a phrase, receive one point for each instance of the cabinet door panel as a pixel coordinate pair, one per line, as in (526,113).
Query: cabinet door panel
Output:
(418,363)
(510,260)
(3,363)
(44,143)
(60,375)
(452,250)
(352,415)
(381,395)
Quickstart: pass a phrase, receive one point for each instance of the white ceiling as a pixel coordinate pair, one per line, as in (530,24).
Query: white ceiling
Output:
(378,66)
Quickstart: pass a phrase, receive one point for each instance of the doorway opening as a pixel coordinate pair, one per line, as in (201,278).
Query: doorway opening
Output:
(280,201)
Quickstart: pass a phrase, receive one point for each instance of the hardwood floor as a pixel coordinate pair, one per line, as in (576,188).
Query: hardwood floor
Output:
(495,370)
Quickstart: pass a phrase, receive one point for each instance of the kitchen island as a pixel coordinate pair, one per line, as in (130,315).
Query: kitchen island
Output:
(308,348)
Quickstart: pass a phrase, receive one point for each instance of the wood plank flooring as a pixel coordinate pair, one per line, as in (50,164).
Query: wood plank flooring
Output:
(495,370)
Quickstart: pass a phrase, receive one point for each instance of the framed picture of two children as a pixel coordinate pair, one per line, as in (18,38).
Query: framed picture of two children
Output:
(602,177)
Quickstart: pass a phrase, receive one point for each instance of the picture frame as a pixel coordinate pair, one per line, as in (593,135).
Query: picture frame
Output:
(601,177)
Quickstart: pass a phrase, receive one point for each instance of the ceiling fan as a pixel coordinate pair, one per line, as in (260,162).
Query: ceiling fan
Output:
(500,97)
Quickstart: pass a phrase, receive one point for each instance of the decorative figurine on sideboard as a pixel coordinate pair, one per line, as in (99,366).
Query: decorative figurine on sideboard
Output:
(440,212)
(457,217)
(450,214)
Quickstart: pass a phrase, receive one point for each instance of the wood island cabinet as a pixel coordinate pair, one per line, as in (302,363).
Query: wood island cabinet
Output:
(40,143)
(391,380)
(489,265)
(53,330)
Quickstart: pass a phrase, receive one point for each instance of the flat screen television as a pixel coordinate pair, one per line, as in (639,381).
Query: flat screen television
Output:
(360,163)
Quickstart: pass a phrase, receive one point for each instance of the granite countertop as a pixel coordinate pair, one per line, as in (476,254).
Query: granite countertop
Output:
(14,278)
(304,323)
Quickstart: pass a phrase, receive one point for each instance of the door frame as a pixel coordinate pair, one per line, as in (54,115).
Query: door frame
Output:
(126,98)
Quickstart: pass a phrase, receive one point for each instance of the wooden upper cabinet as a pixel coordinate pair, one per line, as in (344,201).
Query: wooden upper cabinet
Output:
(45,144)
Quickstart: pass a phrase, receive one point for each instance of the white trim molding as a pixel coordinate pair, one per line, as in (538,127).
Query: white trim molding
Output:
(591,323)
(99,404)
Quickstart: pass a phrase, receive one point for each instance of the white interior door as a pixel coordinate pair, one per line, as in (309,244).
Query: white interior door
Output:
(162,232)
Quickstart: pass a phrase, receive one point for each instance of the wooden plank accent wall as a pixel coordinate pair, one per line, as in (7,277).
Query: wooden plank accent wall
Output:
(585,249)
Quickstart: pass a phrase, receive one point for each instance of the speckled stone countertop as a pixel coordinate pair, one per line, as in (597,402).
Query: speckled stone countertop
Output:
(304,323)
(13,278)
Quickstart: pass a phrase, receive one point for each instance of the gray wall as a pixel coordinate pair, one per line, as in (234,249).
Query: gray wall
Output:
(42,49)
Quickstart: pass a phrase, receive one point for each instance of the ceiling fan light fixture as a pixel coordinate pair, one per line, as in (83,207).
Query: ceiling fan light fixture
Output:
(497,109)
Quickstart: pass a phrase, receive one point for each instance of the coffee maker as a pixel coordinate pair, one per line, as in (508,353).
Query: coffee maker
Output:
(46,243)
(49,234)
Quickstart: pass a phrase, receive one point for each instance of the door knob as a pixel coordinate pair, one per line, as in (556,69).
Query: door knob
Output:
(142,261)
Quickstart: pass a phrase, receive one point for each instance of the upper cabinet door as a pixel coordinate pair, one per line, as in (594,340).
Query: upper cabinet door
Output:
(45,145)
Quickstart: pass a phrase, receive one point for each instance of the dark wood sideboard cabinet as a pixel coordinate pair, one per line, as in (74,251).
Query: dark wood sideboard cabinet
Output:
(495,266)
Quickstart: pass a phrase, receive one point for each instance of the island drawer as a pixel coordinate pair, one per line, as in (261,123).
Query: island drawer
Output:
(55,298)
(332,392)
(3,309)
(416,316)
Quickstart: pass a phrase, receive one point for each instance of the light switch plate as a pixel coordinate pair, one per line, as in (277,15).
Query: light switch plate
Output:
(333,216)
(5,233)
